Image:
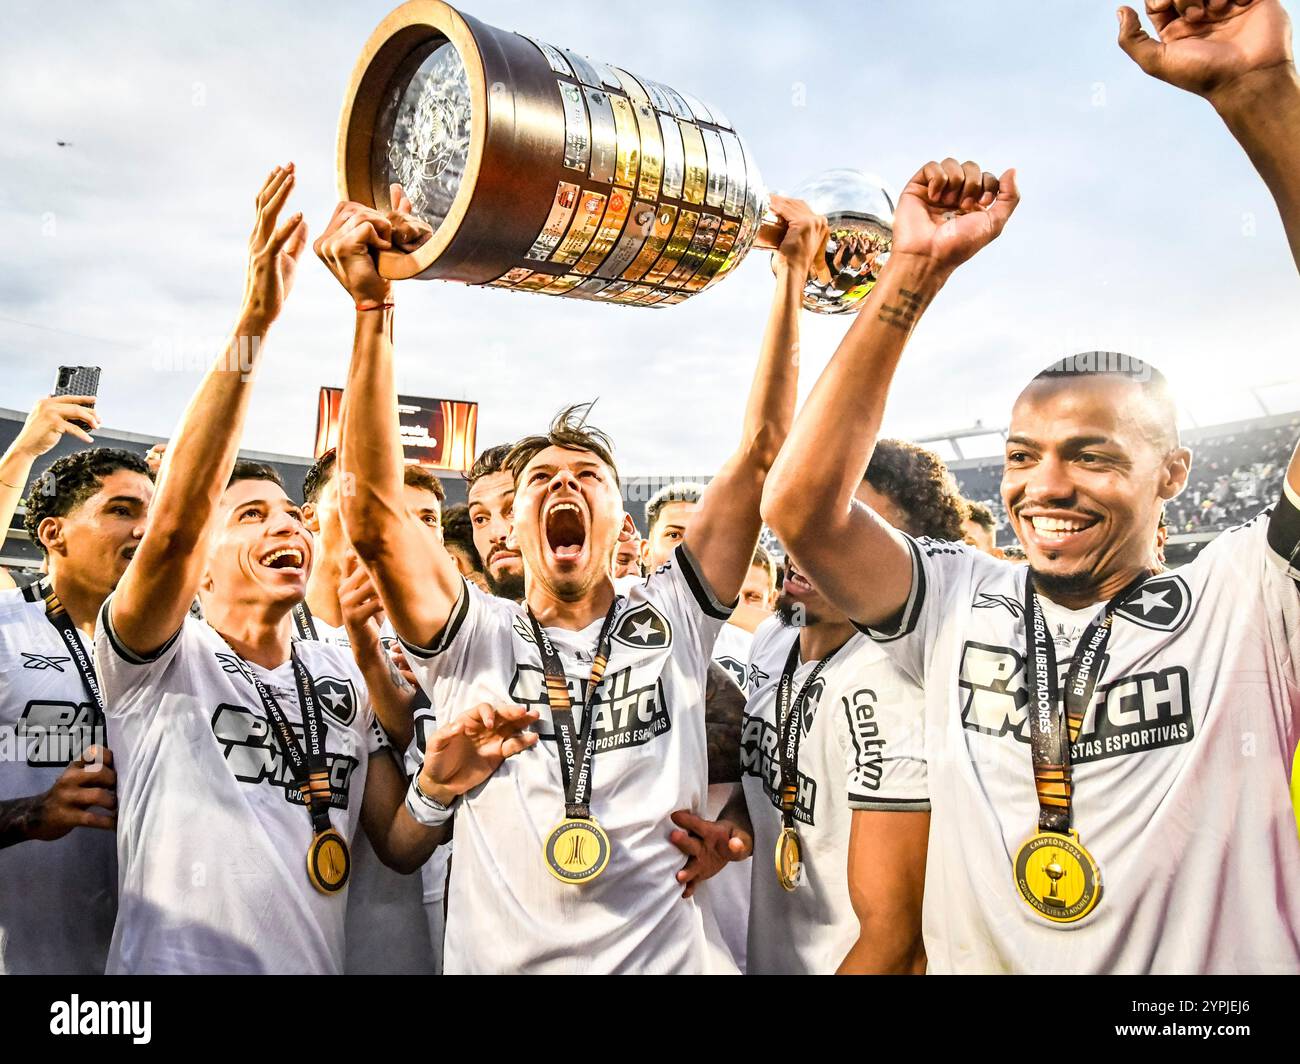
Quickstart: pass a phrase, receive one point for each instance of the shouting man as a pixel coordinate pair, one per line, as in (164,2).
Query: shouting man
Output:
(563,861)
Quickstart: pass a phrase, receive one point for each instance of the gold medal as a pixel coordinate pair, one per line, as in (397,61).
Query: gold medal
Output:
(1057,877)
(328,862)
(577,851)
(789,859)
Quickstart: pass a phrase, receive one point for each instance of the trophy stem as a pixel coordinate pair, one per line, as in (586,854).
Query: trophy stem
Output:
(771,231)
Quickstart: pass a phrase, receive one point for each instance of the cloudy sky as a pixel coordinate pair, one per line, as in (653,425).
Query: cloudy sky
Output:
(1142,227)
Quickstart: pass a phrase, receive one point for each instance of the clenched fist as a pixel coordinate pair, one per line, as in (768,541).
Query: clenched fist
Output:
(949,211)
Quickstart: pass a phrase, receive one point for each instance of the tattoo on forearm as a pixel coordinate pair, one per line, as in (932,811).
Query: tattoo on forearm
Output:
(904,313)
(724,712)
(19,819)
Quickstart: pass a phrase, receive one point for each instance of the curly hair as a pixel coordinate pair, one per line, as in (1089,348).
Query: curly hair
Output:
(73,479)
(981,515)
(920,485)
(570,431)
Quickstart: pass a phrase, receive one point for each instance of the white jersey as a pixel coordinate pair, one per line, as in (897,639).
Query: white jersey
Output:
(727,893)
(212,832)
(385,919)
(1180,772)
(433,875)
(732,651)
(506,912)
(861,746)
(434,871)
(57,899)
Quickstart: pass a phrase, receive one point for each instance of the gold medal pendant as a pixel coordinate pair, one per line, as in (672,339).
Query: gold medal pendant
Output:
(328,862)
(576,851)
(1057,877)
(789,859)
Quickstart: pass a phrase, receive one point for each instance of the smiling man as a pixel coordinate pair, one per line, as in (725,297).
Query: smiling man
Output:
(244,756)
(563,860)
(57,800)
(1119,803)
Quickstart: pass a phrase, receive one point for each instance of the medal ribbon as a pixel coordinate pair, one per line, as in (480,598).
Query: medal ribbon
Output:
(1055,721)
(576,750)
(304,622)
(787,723)
(58,616)
(310,772)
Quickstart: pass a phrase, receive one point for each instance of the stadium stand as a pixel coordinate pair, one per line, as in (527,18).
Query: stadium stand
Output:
(1237,469)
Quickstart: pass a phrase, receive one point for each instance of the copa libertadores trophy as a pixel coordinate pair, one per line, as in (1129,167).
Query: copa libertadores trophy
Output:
(542,170)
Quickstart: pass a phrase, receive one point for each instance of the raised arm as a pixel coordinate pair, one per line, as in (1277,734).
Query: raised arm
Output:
(724,530)
(48,420)
(1238,55)
(160,583)
(392,697)
(947,212)
(416,577)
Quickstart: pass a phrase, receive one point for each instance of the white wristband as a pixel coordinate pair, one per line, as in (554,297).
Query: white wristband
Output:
(425,810)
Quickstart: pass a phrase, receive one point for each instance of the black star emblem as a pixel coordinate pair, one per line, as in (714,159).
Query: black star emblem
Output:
(642,627)
(336,698)
(1162,603)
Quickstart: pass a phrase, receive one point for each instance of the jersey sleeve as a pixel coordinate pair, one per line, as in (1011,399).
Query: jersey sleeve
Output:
(124,675)
(940,572)
(476,634)
(679,587)
(1260,561)
(1283,537)
(880,724)
(425,725)
(376,739)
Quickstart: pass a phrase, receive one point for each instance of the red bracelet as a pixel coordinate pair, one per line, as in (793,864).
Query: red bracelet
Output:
(377,306)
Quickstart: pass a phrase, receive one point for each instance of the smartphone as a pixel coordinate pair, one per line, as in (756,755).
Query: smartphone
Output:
(77,380)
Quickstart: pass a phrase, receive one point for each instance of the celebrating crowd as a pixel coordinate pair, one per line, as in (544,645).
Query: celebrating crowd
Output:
(356,732)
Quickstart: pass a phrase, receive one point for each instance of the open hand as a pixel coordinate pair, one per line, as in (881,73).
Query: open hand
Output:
(361,607)
(461,755)
(1206,46)
(709,845)
(273,250)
